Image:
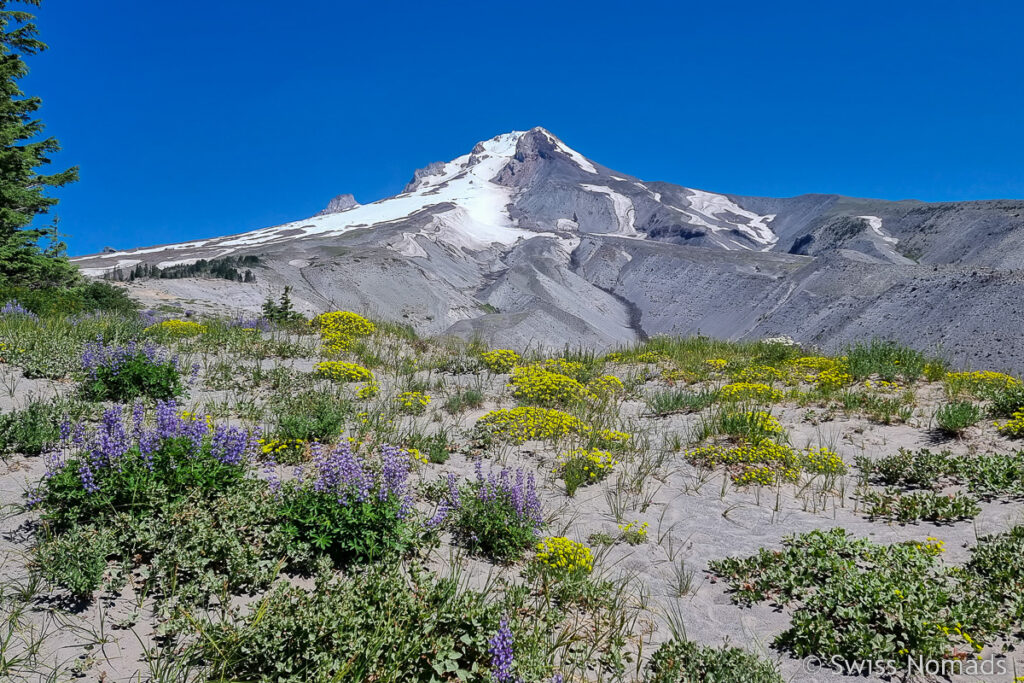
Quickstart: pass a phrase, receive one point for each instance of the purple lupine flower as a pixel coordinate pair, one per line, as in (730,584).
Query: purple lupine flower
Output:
(502,654)
(138,417)
(448,504)
(259,323)
(557,678)
(120,436)
(151,317)
(342,472)
(65,429)
(229,445)
(85,473)
(149,442)
(520,495)
(167,421)
(111,441)
(345,474)
(394,471)
(270,472)
(13,307)
(54,461)
(97,354)
(34,497)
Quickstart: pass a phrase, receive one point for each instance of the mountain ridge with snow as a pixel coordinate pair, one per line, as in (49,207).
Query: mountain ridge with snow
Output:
(570,251)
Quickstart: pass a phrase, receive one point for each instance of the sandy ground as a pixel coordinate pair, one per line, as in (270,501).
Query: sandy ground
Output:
(694,516)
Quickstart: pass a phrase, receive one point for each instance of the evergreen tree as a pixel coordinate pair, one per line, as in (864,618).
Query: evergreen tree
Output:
(23,152)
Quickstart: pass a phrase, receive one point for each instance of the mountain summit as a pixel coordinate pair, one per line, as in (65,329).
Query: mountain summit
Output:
(568,251)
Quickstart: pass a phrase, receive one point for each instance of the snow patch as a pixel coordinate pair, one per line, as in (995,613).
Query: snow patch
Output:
(407,246)
(121,263)
(623,207)
(710,207)
(876,226)
(179,262)
(656,195)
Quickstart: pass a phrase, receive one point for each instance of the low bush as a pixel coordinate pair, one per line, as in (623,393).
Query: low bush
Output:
(680,401)
(124,373)
(683,661)
(749,426)
(464,399)
(435,448)
(749,391)
(159,494)
(311,416)
(1014,427)
(560,558)
(500,361)
(341,371)
(886,359)
(498,515)
(535,385)
(954,418)
(380,625)
(925,506)
(584,467)
(36,427)
(985,475)
(857,601)
(351,509)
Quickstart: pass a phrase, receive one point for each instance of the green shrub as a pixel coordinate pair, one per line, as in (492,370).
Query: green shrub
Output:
(76,559)
(497,516)
(954,418)
(350,508)
(858,601)
(888,360)
(680,401)
(175,497)
(379,625)
(82,298)
(683,661)
(464,399)
(925,506)
(585,467)
(311,415)
(750,426)
(1006,401)
(435,447)
(124,373)
(33,429)
(986,475)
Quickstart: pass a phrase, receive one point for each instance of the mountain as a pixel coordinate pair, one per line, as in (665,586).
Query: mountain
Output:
(526,241)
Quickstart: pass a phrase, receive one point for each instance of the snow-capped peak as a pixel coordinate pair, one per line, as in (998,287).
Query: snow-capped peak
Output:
(487,156)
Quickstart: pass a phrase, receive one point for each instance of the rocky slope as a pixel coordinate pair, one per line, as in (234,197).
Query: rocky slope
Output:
(525,241)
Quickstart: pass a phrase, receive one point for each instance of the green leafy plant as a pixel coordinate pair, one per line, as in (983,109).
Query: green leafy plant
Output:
(311,415)
(858,601)
(954,418)
(680,401)
(919,506)
(886,359)
(129,372)
(683,661)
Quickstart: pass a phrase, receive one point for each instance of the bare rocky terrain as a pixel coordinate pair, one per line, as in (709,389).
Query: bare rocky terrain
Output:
(524,241)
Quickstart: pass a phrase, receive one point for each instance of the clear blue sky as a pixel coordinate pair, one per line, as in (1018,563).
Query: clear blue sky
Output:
(205,117)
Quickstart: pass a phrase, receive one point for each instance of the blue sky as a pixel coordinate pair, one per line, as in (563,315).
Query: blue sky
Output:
(201,118)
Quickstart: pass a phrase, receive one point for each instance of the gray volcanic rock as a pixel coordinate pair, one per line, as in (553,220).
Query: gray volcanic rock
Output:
(433,168)
(523,241)
(343,202)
